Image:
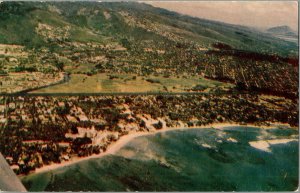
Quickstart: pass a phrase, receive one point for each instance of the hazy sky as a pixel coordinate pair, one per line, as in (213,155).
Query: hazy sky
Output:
(261,14)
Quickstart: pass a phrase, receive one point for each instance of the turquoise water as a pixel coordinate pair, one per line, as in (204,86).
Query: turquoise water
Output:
(185,160)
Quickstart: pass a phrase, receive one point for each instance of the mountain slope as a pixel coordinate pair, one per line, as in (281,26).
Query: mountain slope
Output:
(129,37)
(281,30)
(284,32)
(90,16)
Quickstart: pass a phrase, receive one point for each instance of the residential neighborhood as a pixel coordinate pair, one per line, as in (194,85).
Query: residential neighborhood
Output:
(38,131)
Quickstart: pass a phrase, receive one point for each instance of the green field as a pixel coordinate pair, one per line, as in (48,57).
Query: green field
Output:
(109,83)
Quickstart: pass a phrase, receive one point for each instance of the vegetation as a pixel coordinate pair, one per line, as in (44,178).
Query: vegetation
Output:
(222,73)
(127,83)
(135,38)
(38,131)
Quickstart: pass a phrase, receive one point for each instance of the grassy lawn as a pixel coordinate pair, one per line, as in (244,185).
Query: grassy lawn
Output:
(109,83)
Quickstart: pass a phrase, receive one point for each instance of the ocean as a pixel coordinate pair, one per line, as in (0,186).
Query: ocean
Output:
(186,160)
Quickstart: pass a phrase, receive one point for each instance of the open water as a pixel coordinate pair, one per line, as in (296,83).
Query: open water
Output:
(185,160)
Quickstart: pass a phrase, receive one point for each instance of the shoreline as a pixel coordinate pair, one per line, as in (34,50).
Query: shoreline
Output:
(123,140)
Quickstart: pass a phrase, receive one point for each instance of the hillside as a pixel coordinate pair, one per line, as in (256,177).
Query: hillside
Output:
(281,30)
(121,37)
(93,21)
(284,32)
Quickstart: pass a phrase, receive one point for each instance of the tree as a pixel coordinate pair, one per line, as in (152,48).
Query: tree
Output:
(59,65)
(125,43)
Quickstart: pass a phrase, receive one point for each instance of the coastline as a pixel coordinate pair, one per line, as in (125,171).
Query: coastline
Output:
(123,140)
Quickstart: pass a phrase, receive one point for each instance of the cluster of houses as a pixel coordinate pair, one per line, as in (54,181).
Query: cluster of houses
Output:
(269,77)
(21,69)
(25,81)
(37,131)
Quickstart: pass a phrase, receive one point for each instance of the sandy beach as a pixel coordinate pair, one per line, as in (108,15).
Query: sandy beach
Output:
(114,147)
